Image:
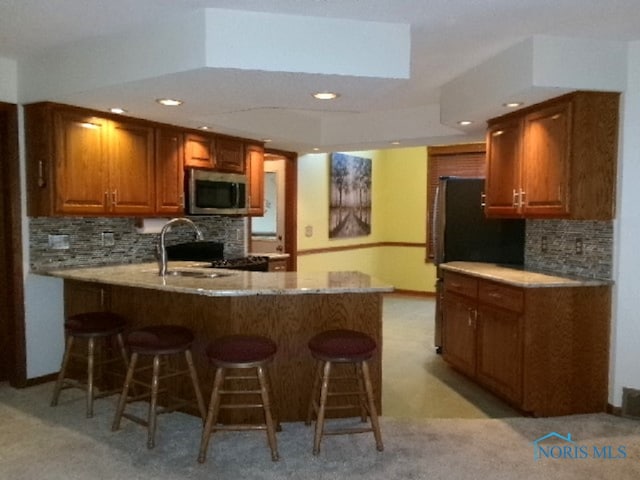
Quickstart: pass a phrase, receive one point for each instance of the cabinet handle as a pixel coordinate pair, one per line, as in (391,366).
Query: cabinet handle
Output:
(483,199)
(455,285)
(106,197)
(469,319)
(494,295)
(114,197)
(41,182)
(522,197)
(515,198)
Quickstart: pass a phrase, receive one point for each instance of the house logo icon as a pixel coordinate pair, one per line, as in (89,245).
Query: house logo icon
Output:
(567,442)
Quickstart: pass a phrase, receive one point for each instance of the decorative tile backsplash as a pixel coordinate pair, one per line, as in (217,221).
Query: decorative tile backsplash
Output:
(86,245)
(555,246)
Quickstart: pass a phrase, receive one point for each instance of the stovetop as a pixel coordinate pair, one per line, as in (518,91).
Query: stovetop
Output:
(213,252)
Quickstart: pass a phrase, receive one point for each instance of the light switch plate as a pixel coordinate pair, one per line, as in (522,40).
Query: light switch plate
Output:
(108,239)
(59,242)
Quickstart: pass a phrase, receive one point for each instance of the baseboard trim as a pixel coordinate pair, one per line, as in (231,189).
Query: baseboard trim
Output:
(31,382)
(412,293)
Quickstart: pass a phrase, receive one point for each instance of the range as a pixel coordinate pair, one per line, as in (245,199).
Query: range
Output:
(213,253)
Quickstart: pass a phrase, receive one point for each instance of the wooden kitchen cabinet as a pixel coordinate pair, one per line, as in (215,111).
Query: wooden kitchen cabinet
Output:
(131,168)
(459,337)
(545,350)
(169,170)
(556,159)
(277,265)
(83,164)
(199,151)
(230,155)
(255,173)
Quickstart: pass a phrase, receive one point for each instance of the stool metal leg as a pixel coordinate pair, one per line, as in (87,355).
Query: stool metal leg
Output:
(362,398)
(212,414)
(321,408)
(125,392)
(264,393)
(196,384)
(153,404)
(63,368)
(314,392)
(90,363)
(373,414)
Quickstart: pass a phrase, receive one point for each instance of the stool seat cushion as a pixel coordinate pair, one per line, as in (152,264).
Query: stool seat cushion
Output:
(241,349)
(160,339)
(342,345)
(94,324)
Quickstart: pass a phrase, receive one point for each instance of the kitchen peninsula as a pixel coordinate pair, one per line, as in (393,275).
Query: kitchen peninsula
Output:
(287,307)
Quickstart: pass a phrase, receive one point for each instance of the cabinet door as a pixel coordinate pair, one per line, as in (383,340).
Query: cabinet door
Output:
(502,196)
(499,361)
(81,168)
(255,174)
(229,155)
(546,161)
(169,171)
(199,151)
(458,330)
(131,163)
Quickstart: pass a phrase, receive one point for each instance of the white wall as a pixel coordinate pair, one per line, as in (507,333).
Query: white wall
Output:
(625,338)
(8,80)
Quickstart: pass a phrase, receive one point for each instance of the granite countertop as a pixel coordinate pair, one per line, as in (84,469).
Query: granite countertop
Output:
(519,276)
(230,283)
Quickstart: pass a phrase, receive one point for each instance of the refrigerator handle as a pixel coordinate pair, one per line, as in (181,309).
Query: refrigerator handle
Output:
(437,231)
(483,199)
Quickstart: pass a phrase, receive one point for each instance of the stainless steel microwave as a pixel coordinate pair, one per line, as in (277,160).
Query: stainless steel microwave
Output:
(216,193)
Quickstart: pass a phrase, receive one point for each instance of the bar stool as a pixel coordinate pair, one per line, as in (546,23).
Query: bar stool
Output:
(90,326)
(342,347)
(160,342)
(240,352)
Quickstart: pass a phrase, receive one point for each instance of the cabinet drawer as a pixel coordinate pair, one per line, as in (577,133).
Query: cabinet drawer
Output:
(461,284)
(502,296)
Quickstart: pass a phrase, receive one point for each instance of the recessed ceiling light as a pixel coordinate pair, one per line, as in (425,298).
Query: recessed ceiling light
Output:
(513,104)
(465,122)
(315,149)
(325,95)
(395,142)
(267,140)
(203,127)
(169,102)
(117,110)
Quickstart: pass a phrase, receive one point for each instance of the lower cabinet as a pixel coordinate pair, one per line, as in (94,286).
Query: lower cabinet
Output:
(543,350)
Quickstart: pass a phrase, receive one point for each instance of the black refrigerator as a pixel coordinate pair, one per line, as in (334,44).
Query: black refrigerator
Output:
(461,232)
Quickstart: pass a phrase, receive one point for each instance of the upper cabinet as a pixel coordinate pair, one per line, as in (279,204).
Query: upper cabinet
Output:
(229,154)
(199,151)
(556,159)
(81,164)
(169,170)
(255,173)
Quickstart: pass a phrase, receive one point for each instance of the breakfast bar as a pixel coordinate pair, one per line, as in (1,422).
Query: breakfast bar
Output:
(287,307)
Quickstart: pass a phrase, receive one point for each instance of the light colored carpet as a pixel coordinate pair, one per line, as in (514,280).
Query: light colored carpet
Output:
(42,442)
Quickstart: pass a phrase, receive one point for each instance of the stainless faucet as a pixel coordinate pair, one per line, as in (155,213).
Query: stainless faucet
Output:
(162,251)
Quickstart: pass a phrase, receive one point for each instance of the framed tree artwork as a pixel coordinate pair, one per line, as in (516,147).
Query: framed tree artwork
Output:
(350,196)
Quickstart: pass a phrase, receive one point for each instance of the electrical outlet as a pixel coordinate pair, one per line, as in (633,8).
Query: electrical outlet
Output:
(308,231)
(543,244)
(108,240)
(59,242)
(579,246)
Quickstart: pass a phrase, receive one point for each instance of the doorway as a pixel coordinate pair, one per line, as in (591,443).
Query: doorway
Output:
(12,341)
(267,232)
(275,231)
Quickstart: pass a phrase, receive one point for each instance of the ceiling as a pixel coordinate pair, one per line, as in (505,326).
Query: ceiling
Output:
(447,39)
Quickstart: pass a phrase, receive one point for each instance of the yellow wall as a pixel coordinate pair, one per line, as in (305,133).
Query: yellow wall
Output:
(399,179)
